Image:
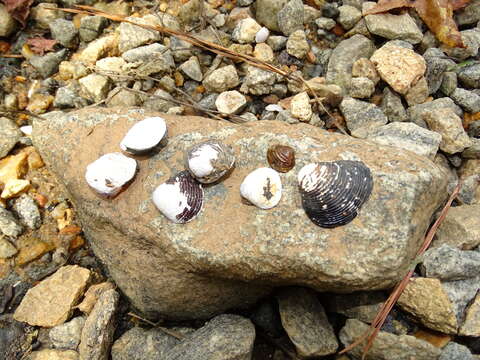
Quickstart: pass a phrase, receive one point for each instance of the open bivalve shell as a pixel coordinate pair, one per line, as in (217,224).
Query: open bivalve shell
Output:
(110,173)
(180,198)
(210,160)
(144,135)
(262,187)
(333,192)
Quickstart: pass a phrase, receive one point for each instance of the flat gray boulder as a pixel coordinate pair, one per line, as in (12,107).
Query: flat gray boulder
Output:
(232,252)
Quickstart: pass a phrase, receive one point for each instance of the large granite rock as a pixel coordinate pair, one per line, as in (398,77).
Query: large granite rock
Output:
(227,255)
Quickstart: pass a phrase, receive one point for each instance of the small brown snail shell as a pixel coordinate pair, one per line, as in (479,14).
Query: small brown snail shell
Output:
(281,158)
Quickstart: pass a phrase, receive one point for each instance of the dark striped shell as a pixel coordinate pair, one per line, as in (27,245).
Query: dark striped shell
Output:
(333,192)
(281,158)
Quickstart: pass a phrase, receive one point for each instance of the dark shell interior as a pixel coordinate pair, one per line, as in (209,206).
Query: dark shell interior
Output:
(281,158)
(338,194)
(193,192)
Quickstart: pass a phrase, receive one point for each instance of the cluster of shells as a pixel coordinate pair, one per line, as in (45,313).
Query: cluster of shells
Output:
(332,192)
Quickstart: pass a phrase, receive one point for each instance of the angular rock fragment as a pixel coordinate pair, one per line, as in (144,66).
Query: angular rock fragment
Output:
(361,117)
(67,335)
(460,229)
(471,324)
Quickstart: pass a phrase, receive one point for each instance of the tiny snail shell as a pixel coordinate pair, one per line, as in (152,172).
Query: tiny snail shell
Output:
(110,173)
(180,198)
(209,161)
(144,135)
(262,187)
(281,157)
(333,192)
(262,35)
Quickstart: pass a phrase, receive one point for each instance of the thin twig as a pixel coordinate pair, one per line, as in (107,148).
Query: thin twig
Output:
(379,320)
(155,325)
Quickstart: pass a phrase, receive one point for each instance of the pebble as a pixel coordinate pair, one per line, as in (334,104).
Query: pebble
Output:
(99,48)
(52,354)
(109,65)
(399,67)
(363,67)
(7,23)
(348,16)
(97,333)
(470,14)
(361,88)
(245,31)
(72,70)
(266,12)
(159,102)
(286,116)
(454,351)
(222,79)
(122,97)
(91,27)
(230,102)
(192,69)
(297,44)
(51,302)
(10,135)
(469,76)
(67,335)
(449,125)
(14,187)
(392,106)
(418,112)
(363,305)
(306,324)
(325,23)
(460,229)
(92,295)
(148,53)
(67,97)
(408,136)
(64,32)
(262,35)
(471,324)
(226,337)
(47,65)
(44,15)
(266,317)
(300,107)
(9,225)
(449,263)
(437,65)
(461,293)
(449,82)
(330,10)
(264,52)
(257,81)
(468,100)
(277,43)
(418,93)
(6,249)
(361,116)
(290,17)
(471,40)
(132,36)
(387,345)
(139,343)
(95,87)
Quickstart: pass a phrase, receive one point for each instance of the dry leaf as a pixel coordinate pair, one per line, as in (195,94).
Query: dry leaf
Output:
(387,5)
(4,47)
(459,4)
(40,45)
(19,9)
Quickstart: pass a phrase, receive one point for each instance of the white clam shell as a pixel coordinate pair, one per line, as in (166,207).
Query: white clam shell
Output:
(110,173)
(180,198)
(27,129)
(209,161)
(262,187)
(273,107)
(262,35)
(144,135)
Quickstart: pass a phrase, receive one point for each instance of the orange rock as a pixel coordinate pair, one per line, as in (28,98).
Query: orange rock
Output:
(34,159)
(469,118)
(40,199)
(92,295)
(13,167)
(30,249)
(179,79)
(435,338)
(39,103)
(14,187)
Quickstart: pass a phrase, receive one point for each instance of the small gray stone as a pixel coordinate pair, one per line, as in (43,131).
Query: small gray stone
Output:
(348,16)
(469,14)
(392,27)
(460,293)
(6,249)
(230,102)
(160,101)
(27,211)
(325,23)
(330,10)
(47,65)
(297,44)
(9,226)
(454,351)
(192,69)
(344,55)
(287,117)
(132,36)
(91,27)
(469,76)
(407,136)
(448,263)
(474,129)
(97,333)
(142,344)
(468,100)
(449,82)
(222,79)
(266,12)
(361,88)
(363,305)
(276,42)
(468,191)
(149,53)
(437,64)
(248,116)
(7,23)
(258,81)
(290,18)
(305,321)
(417,112)
(418,93)
(64,32)
(392,106)
(245,2)
(44,13)
(67,335)
(122,97)
(208,101)
(181,49)
(225,337)
(10,134)
(386,345)
(471,40)
(67,97)
(461,228)
(191,12)
(361,116)
(472,152)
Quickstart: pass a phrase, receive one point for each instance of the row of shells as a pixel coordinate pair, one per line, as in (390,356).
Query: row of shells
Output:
(332,192)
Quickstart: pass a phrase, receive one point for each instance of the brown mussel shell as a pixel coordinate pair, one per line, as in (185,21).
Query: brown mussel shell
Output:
(281,158)
(333,192)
